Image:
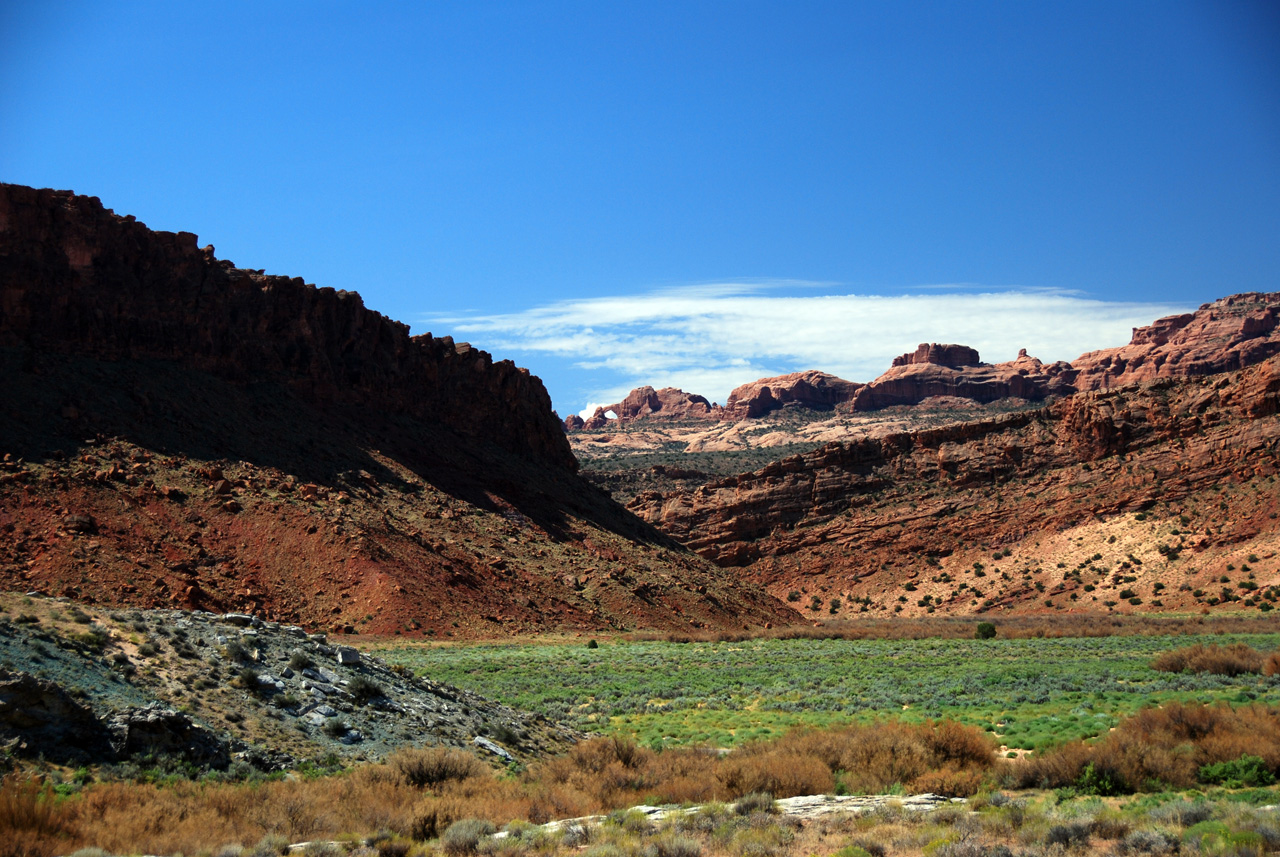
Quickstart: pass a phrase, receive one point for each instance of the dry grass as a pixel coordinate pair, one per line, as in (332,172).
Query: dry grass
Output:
(32,821)
(1160,748)
(1233,660)
(418,794)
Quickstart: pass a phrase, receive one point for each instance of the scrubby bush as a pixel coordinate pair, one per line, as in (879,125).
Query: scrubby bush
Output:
(33,821)
(364,690)
(271,845)
(431,766)
(1146,842)
(1160,748)
(464,837)
(984,631)
(755,802)
(1233,660)
(672,846)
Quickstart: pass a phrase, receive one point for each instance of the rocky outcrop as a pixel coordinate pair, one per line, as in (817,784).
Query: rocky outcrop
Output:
(76,278)
(811,389)
(955,371)
(1228,334)
(931,353)
(668,403)
(154,730)
(38,717)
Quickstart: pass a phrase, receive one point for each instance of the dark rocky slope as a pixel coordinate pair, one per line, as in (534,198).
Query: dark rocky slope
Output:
(162,688)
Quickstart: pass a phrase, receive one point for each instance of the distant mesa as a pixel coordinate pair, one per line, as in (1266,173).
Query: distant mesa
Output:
(955,356)
(1229,334)
(957,372)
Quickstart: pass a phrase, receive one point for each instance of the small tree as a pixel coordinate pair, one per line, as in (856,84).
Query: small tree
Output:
(985,631)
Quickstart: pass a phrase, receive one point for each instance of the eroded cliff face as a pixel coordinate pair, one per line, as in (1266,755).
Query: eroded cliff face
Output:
(76,278)
(178,432)
(861,519)
(1231,333)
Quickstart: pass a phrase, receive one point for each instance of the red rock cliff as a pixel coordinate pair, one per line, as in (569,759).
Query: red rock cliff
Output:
(1228,334)
(76,278)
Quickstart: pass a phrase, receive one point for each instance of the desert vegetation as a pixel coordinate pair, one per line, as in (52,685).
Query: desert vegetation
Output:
(1032,693)
(437,800)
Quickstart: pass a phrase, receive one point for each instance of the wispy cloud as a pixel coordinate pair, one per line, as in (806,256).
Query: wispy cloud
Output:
(709,338)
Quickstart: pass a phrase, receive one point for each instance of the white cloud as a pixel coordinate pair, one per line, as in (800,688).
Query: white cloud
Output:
(709,338)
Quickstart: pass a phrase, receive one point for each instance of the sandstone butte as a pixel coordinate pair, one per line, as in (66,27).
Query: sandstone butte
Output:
(176,431)
(1230,333)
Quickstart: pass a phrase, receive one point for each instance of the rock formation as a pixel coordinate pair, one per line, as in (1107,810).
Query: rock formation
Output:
(863,519)
(668,403)
(178,432)
(955,371)
(810,389)
(1230,333)
(933,354)
(76,278)
(38,717)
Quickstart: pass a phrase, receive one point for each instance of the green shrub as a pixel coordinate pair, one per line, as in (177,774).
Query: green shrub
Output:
(984,631)
(1245,772)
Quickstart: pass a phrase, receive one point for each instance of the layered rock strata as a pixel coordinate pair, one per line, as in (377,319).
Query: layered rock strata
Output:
(869,513)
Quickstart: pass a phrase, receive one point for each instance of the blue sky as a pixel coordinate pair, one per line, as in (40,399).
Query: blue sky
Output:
(687,193)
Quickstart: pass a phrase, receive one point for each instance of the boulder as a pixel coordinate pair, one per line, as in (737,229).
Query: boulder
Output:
(348,656)
(154,730)
(497,749)
(38,717)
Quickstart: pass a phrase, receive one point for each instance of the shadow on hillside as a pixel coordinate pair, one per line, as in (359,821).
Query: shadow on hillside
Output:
(54,405)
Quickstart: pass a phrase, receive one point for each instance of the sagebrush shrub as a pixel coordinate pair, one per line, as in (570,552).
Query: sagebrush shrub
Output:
(464,837)
(1233,660)
(432,766)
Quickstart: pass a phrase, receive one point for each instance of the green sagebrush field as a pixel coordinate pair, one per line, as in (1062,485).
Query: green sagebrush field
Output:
(1032,693)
